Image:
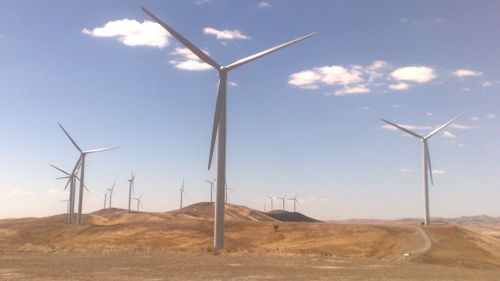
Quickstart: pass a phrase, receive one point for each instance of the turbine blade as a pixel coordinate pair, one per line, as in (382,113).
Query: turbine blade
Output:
(428,159)
(77,166)
(266,52)
(442,127)
(60,170)
(199,53)
(70,138)
(99,150)
(403,129)
(221,95)
(60,178)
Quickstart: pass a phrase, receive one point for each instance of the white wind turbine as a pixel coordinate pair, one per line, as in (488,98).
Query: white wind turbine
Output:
(295,201)
(272,200)
(283,198)
(211,188)
(67,206)
(228,188)
(426,159)
(130,189)
(138,199)
(182,192)
(105,198)
(219,125)
(81,163)
(71,181)
(111,190)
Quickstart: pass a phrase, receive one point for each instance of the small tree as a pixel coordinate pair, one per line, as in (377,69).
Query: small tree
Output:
(276,227)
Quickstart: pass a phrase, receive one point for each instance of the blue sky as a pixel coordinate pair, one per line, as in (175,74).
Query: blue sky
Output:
(304,120)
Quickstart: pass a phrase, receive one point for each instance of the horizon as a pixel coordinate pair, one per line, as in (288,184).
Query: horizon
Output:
(304,120)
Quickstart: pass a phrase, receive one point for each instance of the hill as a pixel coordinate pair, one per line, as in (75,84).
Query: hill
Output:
(290,216)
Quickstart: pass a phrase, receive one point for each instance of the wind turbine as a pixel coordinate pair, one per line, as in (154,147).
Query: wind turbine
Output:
(219,125)
(272,200)
(426,159)
(283,198)
(182,191)
(67,205)
(211,188)
(138,201)
(105,199)
(111,193)
(228,188)
(71,181)
(81,162)
(294,199)
(130,189)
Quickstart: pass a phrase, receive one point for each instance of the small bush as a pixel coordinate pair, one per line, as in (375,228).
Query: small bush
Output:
(276,228)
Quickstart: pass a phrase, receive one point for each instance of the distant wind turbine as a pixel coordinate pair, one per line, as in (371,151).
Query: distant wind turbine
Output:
(111,190)
(283,198)
(182,191)
(138,202)
(71,181)
(130,189)
(105,199)
(427,167)
(294,199)
(211,188)
(219,125)
(228,188)
(272,200)
(67,206)
(81,161)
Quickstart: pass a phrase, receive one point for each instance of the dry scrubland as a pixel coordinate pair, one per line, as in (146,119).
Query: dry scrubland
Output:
(116,245)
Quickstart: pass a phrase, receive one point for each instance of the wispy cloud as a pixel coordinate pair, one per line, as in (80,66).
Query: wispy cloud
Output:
(466,73)
(491,116)
(186,60)
(21,193)
(225,34)
(475,118)
(132,33)
(352,91)
(399,86)
(405,170)
(449,135)
(486,84)
(264,5)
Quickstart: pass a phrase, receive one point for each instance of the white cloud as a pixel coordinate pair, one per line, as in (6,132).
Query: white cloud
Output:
(429,114)
(438,172)
(21,193)
(475,118)
(486,84)
(399,86)
(364,108)
(306,79)
(466,73)
(264,5)
(405,170)
(449,135)
(201,2)
(491,116)
(225,34)
(352,91)
(462,127)
(465,89)
(132,33)
(231,83)
(186,60)
(418,74)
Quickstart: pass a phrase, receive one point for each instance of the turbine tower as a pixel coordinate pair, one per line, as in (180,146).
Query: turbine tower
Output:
(182,192)
(138,201)
(211,188)
(110,190)
(294,199)
(71,181)
(426,159)
(130,189)
(272,200)
(81,162)
(219,125)
(226,189)
(105,198)
(283,199)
